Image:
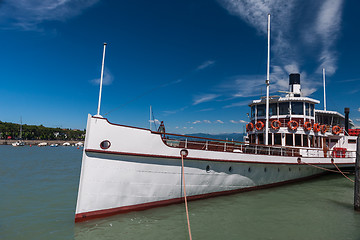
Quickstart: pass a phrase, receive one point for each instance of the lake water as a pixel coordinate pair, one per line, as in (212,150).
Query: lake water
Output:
(38,190)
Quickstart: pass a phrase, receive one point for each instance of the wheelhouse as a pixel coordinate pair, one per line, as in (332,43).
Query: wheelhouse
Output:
(293,121)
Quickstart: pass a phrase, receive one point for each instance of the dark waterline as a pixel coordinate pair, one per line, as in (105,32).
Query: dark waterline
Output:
(38,193)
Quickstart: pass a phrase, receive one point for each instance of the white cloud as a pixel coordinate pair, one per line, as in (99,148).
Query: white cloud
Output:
(205,64)
(358,109)
(219,121)
(196,122)
(358,119)
(206,110)
(207,121)
(107,79)
(204,98)
(236,122)
(170,112)
(28,14)
(301,31)
(156,121)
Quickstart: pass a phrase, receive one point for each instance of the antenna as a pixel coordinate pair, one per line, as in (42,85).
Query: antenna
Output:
(267,85)
(324,89)
(101,81)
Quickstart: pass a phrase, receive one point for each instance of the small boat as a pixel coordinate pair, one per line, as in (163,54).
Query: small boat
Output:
(127,168)
(54,145)
(42,144)
(66,144)
(19,143)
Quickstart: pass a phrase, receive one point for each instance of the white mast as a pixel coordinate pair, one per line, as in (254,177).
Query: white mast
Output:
(324,89)
(150,118)
(101,81)
(267,85)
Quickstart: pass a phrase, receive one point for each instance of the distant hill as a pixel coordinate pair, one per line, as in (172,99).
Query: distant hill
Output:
(33,132)
(229,136)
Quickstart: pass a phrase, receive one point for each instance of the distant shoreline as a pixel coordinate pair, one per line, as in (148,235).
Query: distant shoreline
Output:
(36,142)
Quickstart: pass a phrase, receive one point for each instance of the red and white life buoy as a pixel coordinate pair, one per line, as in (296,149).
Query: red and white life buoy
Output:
(259,125)
(293,125)
(275,124)
(249,127)
(307,126)
(336,130)
(316,127)
(323,128)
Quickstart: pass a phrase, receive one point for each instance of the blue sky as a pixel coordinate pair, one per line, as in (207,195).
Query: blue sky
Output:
(198,63)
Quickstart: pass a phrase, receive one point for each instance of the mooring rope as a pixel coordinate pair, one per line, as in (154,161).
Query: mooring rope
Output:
(330,170)
(333,162)
(186,206)
(326,169)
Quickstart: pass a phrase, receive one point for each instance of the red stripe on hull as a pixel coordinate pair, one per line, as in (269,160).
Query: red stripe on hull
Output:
(81,217)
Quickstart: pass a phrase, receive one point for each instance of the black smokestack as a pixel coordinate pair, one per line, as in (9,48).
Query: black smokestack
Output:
(294,78)
(347,111)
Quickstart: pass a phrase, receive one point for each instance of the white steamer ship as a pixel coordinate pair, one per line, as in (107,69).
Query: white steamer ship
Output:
(127,168)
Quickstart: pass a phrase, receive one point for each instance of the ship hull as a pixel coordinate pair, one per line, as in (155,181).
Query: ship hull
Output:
(138,171)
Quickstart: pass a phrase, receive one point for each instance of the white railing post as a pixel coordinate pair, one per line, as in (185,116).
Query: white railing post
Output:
(186,142)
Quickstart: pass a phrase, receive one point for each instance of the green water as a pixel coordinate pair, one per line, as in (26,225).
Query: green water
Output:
(38,190)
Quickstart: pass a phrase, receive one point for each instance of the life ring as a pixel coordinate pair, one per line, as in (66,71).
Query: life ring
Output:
(336,130)
(307,126)
(323,128)
(293,125)
(275,124)
(249,127)
(316,127)
(259,125)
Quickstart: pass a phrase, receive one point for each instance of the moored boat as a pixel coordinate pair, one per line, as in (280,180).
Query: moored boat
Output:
(127,168)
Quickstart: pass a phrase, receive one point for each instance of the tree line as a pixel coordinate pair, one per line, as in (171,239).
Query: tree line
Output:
(33,132)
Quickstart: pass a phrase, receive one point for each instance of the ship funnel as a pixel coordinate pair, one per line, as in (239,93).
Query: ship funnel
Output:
(294,83)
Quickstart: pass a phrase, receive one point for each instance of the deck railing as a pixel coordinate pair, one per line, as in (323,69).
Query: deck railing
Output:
(208,144)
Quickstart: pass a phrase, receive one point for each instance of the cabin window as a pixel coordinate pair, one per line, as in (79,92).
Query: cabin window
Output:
(298,140)
(312,110)
(311,140)
(261,110)
(277,139)
(253,111)
(260,138)
(289,140)
(307,109)
(297,108)
(273,109)
(352,141)
(270,139)
(252,138)
(284,108)
(317,142)
(305,140)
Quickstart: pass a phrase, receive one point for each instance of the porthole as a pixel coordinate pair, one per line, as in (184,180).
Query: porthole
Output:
(230,169)
(105,144)
(207,168)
